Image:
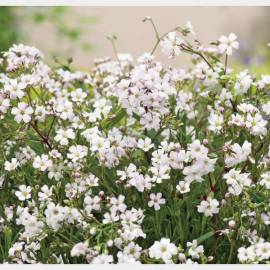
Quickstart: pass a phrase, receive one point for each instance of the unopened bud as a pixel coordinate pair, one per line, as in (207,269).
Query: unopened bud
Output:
(205,141)
(210,258)
(93,231)
(182,257)
(101,193)
(232,224)
(110,243)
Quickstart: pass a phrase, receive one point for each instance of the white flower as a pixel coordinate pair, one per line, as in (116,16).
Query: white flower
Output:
(238,154)
(237,181)
(141,182)
(9,212)
(263,250)
(80,249)
(243,83)
(91,180)
(189,27)
(145,58)
(11,165)
(40,113)
(215,122)
(266,108)
(110,218)
(63,135)
(156,200)
(227,44)
(145,144)
(55,214)
(55,154)
(92,203)
(211,79)
(170,45)
(209,207)
(16,248)
(133,250)
(265,180)
(65,109)
(246,254)
(78,95)
(117,204)
(2,179)
(129,172)
(45,193)
(160,173)
(266,218)
(4,104)
(256,124)
(103,259)
(14,89)
(163,249)
(32,225)
(24,193)
(77,152)
(264,82)
(197,150)
(42,162)
(55,171)
(124,258)
(194,250)
(183,187)
(22,113)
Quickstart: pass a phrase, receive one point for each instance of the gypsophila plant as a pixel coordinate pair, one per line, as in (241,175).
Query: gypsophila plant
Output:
(134,162)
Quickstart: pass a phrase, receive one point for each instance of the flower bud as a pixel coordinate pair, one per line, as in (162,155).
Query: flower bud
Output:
(93,231)
(210,258)
(182,257)
(205,141)
(110,243)
(232,224)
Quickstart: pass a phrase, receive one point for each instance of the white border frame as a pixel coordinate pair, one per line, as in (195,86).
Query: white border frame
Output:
(134,3)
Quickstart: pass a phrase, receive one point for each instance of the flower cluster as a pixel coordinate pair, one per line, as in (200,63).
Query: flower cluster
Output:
(134,162)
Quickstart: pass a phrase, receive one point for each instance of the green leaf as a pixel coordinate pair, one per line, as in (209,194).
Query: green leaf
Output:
(205,237)
(111,122)
(257,197)
(136,116)
(213,155)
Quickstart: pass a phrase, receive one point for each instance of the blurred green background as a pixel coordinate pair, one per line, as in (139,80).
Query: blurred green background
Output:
(9,33)
(81,32)
(69,36)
